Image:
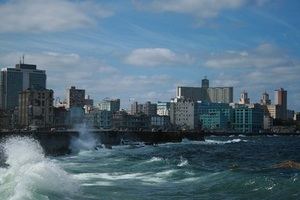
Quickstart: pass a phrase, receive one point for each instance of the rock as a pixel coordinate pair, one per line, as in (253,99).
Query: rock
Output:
(289,164)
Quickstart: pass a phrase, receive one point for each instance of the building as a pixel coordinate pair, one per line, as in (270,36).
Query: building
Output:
(36,108)
(290,115)
(206,93)
(244,98)
(160,122)
(219,94)
(123,121)
(268,122)
(149,109)
(273,111)
(192,93)
(88,105)
(61,117)
(112,105)
(248,118)
(15,80)
(163,108)
(101,119)
(281,101)
(75,97)
(76,115)
(265,99)
(215,116)
(297,116)
(183,114)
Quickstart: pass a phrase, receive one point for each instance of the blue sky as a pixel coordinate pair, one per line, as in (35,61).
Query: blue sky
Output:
(143,49)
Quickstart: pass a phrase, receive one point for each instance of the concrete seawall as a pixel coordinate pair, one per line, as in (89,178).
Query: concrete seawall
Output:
(59,143)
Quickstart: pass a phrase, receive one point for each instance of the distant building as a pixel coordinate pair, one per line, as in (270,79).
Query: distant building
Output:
(215,116)
(248,118)
(297,116)
(183,114)
(163,108)
(290,115)
(281,101)
(160,121)
(206,93)
(268,123)
(265,99)
(123,121)
(112,105)
(76,115)
(36,108)
(101,119)
(15,80)
(273,111)
(75,97)
(88,105)
(61,117)
(149,109)
(244,98)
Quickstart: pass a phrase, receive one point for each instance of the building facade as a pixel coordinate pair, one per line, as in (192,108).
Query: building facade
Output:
(183,114)
(281,101)
(163,108)
(206,93)
(75,97)
(215,116)
(36,108)
(112,105)
(148,108)
(15,80)
(248,118)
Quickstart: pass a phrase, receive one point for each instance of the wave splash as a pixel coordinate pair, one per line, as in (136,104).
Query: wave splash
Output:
(30,175)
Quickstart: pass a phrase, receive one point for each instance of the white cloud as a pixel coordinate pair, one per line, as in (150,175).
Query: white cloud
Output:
(264,56)
(201,9)
(44,15)
(157,56)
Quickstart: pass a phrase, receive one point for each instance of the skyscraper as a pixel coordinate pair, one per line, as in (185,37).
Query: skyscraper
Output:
(281,101)
(15,80)
(75,97)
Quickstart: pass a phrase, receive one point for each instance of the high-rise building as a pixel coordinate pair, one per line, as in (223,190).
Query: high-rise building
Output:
(75,97)
(36,108)
(244,98)
(112,105)
(183,113)
(15,80)
(206,93)
(281,101)
(265,99)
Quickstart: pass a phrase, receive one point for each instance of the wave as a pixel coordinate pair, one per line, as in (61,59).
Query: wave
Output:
(183,162)
(224,142)
(30,175)
(155,159)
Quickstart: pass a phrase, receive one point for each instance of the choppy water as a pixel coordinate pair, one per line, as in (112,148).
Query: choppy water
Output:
(219,168)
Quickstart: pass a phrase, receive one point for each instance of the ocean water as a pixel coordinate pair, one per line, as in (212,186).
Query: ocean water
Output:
(219,168)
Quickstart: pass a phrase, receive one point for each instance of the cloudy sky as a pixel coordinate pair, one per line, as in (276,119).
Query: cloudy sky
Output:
(142,49)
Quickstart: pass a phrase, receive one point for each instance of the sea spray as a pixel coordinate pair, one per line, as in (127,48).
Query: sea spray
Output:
(30,175)
(84,141)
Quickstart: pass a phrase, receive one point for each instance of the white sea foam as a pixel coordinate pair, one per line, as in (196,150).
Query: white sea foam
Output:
(183,162)
(30,175)
(154,159)
(224,142)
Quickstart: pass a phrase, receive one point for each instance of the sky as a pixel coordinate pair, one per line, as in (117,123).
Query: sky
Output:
(140,50)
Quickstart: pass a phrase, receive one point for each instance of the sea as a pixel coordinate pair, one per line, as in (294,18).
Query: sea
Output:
(235,167)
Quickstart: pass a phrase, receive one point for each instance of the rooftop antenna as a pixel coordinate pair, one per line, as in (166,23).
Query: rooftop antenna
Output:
(23,59)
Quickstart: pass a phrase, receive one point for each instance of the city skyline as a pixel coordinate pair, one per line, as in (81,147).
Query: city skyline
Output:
(142,50)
